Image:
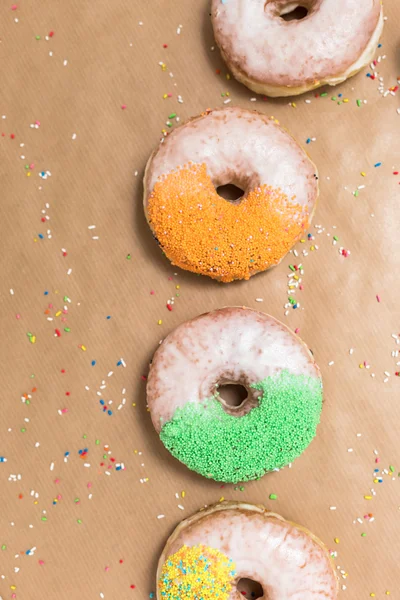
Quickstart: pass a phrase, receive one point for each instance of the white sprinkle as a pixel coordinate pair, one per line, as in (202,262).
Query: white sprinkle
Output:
(92,227)
(95,237)
(227,101)
(65,63)
(101,595)
(351,350)
(87,465)
(307,101)
(253,99)
(181,507)
(387,373)
(51,466)
(386,380)
(74,136)
(160,516)
(332,508)
(259,300)
(37,445)
(69,271)
(110,373)
(331,363)
(12,292)
(107,472)
(349,449)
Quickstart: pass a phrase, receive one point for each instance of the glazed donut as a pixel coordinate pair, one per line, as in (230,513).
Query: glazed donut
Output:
(275,57)
(200,231)
(209,553)
(271,427)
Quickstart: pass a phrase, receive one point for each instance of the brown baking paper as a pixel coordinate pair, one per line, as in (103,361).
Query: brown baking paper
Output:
(86,107)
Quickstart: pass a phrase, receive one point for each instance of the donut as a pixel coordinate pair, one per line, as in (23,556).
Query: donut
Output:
(270,55)
(200,231)
(209,554)
(273,424)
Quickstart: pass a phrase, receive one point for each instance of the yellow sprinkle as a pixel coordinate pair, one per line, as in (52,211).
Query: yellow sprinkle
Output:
(295,277)
(361,366)
(372,595)
(336,540)
(35,239)
(159,322)
(293,104)
(183,493)
(133,403)
(228,76)
(165,96)
(13,587)
(33,339)
(221,499)
(303,241)
(83,348)
(312,248)
(387,593)
(368,497)
(178,287)
(345,100)
(58,313)
(291,287)
(28,174)
(363,174)
(376,480)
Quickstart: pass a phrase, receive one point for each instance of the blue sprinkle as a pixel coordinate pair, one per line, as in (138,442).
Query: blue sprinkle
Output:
(109,412)
(117,468)
(308,140)
(2,459)
(119,363)
(102,402)
(93,363)
(340,95)
(46,293)
(377,165)
(379,45)
(66,454)
(41,236)
(109,317)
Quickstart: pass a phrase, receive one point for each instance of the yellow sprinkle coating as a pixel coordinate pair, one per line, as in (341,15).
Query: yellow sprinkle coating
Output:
(196,573)
(201,232)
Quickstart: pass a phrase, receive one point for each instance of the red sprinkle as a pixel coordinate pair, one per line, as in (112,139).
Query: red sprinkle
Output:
(51,33)
(58,333)
(169,307)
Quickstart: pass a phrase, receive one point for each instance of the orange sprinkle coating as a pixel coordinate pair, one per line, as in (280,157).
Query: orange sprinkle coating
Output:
(201,232)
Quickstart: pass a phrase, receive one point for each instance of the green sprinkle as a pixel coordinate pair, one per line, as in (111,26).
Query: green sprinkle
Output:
(27,402)
(271,435)
(3,547)
(335,237)
(358,102)
(79,521)
(292,300)
(169,124)
(355,193)
(324,94)
(128,257)
(391,468)
(334,98)
(37,37)
(172,116)
(67,329)
(363,535)
(273,496)
(23,429)
(97,442)
(76,500)
(44,518)
(84,436)
(291,267)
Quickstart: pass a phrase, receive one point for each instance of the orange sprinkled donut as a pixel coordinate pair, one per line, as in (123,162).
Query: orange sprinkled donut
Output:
(202,232)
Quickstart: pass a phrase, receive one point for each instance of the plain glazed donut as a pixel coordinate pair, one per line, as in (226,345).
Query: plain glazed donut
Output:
(269,429)
(275,57)
(200,231)
(209,553)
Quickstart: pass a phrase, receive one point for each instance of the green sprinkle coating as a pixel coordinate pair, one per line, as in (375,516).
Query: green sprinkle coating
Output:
(233,449)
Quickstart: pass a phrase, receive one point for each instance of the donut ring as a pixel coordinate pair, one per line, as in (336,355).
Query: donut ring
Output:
(203,233)
(269,429)
(275,57)
(208,554)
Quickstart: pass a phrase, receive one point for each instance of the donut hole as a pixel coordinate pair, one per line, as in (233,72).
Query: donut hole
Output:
(230,192)
(294,14)
(233,395)
(249,589)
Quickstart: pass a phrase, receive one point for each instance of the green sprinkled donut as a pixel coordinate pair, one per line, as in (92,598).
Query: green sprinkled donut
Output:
(234,439)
